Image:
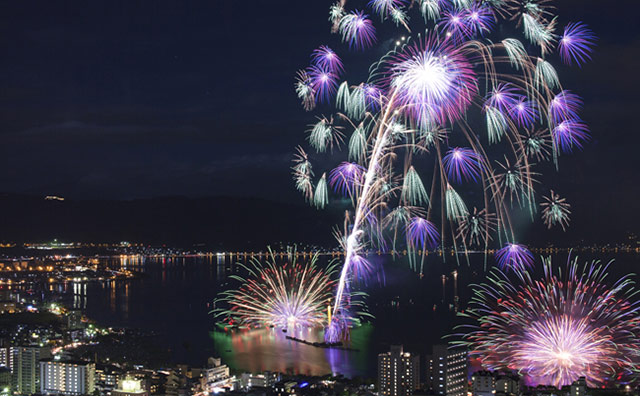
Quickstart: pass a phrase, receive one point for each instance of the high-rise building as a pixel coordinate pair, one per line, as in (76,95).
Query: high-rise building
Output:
(5,357)
(68,377)
(457,371)
(398,372)
(447,370)
(436,369)
(106,378)
(26,368)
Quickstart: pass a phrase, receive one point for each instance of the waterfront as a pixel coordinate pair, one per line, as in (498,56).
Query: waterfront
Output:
(173,298)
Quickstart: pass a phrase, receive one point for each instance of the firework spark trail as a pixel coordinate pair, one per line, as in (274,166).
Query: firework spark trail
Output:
(416,101)
(568,324)
(352,243)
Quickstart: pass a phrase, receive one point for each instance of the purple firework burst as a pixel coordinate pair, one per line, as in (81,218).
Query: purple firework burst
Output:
(524,112)
(503,97)
(373,96)
(479,18)
(575,44)
(514,256)
(337,329)
(326,59)
(323,82)
(346,178)
(565,105)
(358,30)
(360,267)
(456,24)
(422,233)
(461,164)
(569,134)
(431,81)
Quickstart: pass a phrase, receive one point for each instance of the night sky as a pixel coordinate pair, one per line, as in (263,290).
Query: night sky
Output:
(127,99)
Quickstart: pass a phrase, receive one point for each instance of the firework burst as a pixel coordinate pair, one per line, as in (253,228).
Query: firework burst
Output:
(514,256)
(416,157)
(290,295)
(571,323)
(555,210)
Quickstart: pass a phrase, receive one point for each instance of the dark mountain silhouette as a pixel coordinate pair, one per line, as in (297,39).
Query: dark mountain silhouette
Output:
(233,223)
(217,222)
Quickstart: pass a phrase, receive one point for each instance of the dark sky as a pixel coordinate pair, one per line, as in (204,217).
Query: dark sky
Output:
(129,99)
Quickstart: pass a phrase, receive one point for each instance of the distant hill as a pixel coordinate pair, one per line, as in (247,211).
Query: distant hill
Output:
(220,222)
(237,223)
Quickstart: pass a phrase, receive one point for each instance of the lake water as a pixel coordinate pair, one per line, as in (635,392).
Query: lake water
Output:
(174,297)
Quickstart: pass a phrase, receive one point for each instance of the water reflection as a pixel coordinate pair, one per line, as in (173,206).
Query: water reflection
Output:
(173,298)
(79,295)
(259,350)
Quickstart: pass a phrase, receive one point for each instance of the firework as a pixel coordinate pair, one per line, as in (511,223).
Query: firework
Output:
(357,30)
(555,210)
(422,233)
(569,134)
(576,42)
(326,59)
(322,81)
(302,173)
(514,256)
(384,8)
(569,324)
(419,101)
(290,295)
(476,227)
(462,164)
(346,178)
(564,106)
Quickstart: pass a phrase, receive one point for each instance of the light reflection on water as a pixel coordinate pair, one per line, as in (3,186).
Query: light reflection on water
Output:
(268,349)
(174,296)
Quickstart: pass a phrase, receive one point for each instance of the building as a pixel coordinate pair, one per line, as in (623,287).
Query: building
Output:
(130,386)
(5,381)
(217,376)
(508,384)
(67,377)
(457,371)
(26,368)
(6,358)
(447,370)
(483,383)
(398,372)
(579,387)
(486,383)
(436,369)
(264,380)
(106,378)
